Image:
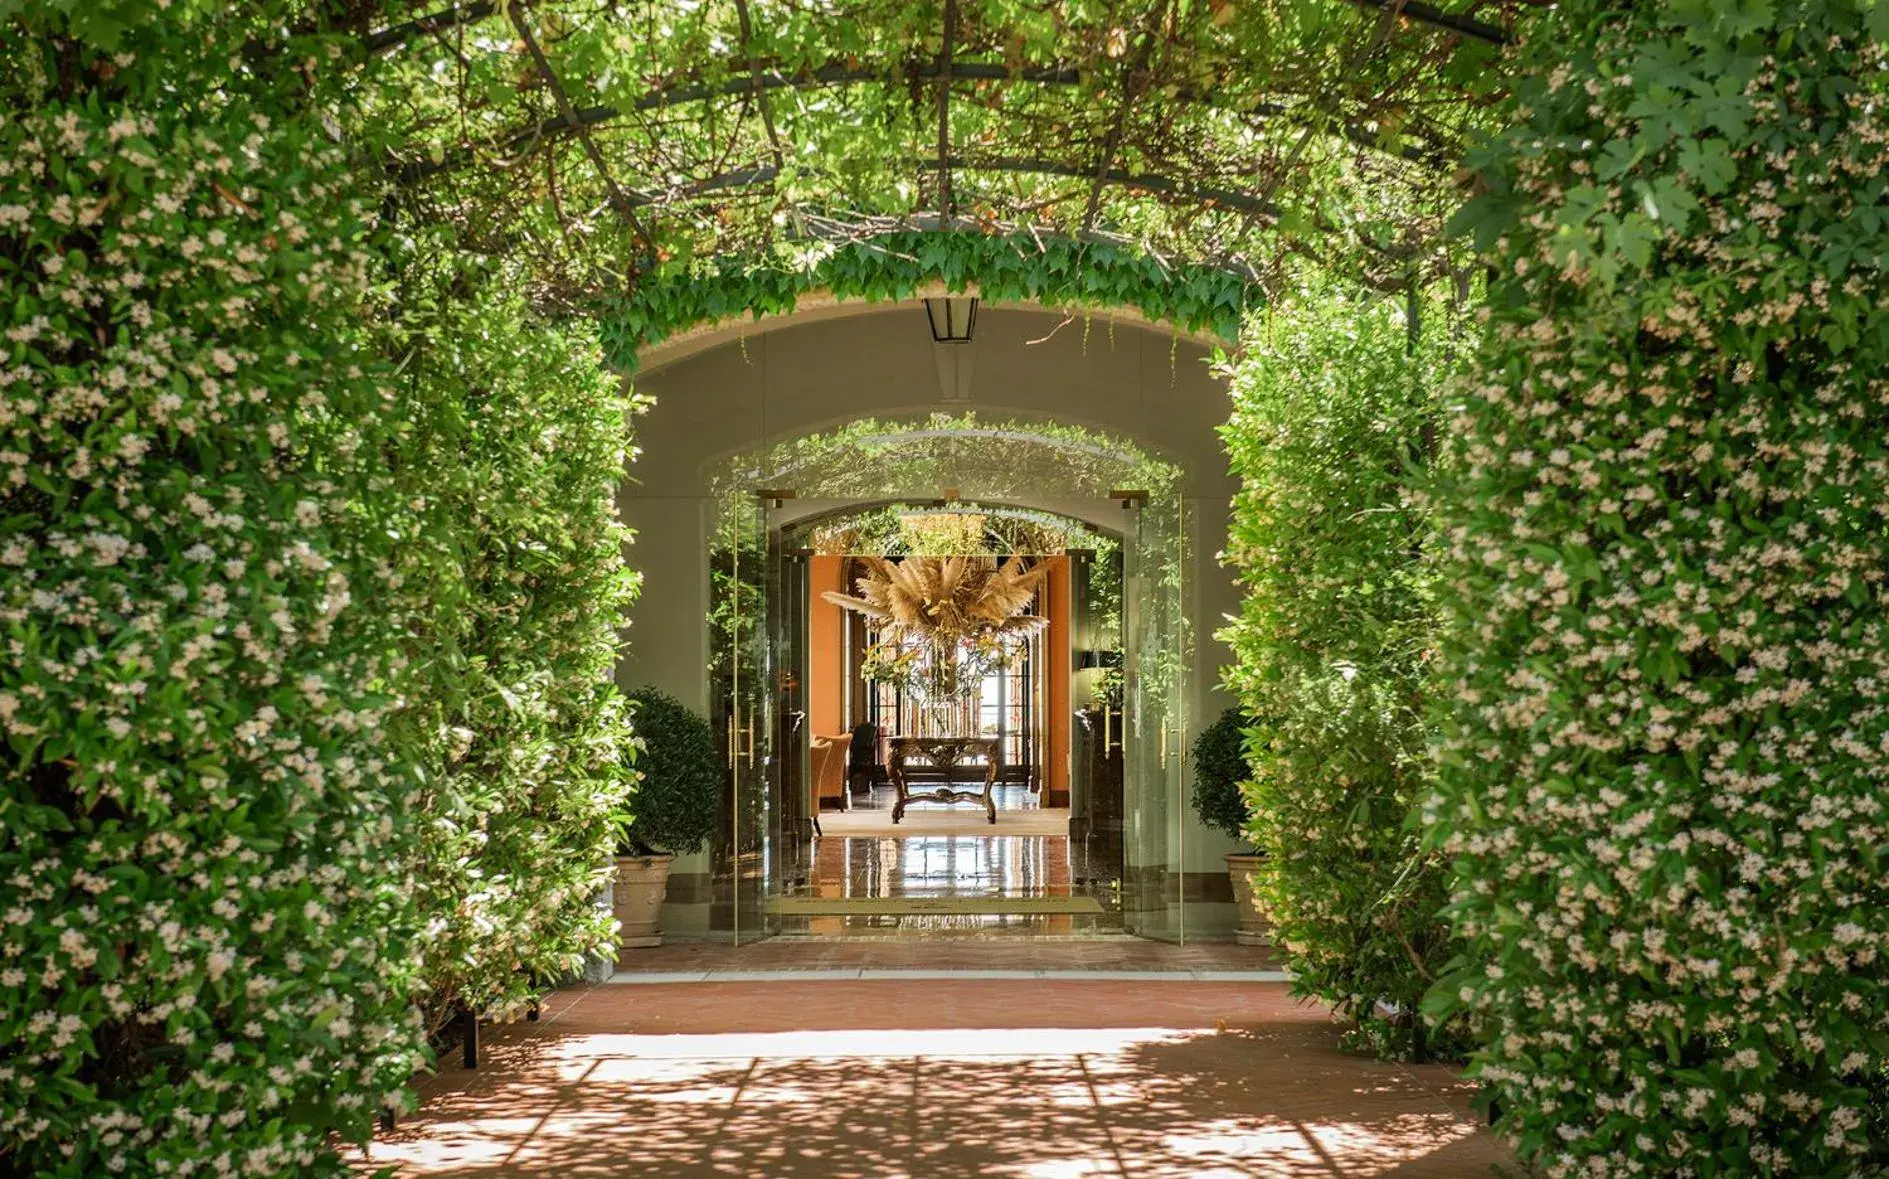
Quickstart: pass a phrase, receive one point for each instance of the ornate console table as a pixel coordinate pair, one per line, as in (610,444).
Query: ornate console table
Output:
(946,753)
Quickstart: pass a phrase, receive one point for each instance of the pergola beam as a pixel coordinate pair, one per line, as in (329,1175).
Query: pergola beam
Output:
(944,110)
(840,74)
(1436,18)
(394,36)
(1147,182)
(619,200)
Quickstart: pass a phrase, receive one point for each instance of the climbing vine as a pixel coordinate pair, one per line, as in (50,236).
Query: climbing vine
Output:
(311,583)
(622,146)
(1666,741)
(205,919)
(514,577)
(1054,272)
(894,530)
(984,459)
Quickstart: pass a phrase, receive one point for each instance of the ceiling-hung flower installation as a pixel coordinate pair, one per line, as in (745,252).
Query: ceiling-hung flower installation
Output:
(940,624)
(945,600)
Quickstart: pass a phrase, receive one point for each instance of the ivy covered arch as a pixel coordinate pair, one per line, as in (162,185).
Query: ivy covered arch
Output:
(1050,271)
(986,457)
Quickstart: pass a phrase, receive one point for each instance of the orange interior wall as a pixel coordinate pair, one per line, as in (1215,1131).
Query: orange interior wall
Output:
(1056,667)
(826,653)
(826,663)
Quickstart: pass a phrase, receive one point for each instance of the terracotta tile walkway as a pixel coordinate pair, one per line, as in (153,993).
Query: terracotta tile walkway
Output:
(826,955)
(934,1079)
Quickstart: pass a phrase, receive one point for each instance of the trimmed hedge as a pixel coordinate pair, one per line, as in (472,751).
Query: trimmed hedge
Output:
(1220,772)
(681,777)
(1331,412)
(205,929)
(285,574)
(1666,764)
(516,587)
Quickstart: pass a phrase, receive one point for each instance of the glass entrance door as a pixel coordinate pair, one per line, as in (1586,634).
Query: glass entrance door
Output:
(745,573)
(763,601)
(1113,739)
(791,764)
(1096,749)
(1155,662)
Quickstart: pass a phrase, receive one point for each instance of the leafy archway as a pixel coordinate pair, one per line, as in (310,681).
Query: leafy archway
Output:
(996,459)
(633,141)
(242,243)
(1018,468)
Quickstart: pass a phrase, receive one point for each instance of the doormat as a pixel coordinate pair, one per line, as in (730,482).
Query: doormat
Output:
(930,906)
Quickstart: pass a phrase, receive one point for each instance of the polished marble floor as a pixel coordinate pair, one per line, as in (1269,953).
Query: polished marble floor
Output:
(1082,872)
(944,865)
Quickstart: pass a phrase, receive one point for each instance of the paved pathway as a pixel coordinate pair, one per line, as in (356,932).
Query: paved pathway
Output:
(932,1078)
(992,957)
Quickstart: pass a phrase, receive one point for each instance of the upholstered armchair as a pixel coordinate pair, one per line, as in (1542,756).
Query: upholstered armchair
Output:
(829,770)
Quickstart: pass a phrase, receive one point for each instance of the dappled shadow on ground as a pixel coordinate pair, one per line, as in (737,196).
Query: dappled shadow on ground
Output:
(1258,1090)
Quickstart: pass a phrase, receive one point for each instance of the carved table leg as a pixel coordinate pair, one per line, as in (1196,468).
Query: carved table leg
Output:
(895,769)
(990,782)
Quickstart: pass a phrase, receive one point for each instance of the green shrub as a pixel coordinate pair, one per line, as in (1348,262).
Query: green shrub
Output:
(1330,413)
(517,588)
(206,931)
(1666,756)
(1219,769)
(679,795)
(268,600)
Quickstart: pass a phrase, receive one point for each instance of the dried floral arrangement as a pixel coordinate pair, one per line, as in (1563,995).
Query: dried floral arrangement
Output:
(940,624)
(943,601)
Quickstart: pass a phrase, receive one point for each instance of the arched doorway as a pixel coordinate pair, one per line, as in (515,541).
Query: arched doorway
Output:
(1049,857)
(843,410)
(1091,834)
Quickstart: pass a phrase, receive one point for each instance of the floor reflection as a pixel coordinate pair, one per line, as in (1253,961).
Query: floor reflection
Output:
(1008,797)
(943,866)
(980,870)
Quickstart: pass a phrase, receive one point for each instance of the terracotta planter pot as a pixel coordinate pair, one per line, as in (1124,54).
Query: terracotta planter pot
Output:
(642,881)
(1255,930)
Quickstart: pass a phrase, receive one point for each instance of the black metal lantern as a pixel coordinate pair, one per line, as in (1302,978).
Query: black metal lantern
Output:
(953,318)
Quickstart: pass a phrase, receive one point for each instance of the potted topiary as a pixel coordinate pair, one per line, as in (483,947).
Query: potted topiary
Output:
(672,812)
(1219,768)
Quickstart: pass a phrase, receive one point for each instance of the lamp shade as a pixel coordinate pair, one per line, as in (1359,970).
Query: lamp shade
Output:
(953,318)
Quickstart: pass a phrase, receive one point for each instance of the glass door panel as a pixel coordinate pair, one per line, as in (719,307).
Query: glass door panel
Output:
(790,758)
(742,568)
(1154,662)
(1096,716)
